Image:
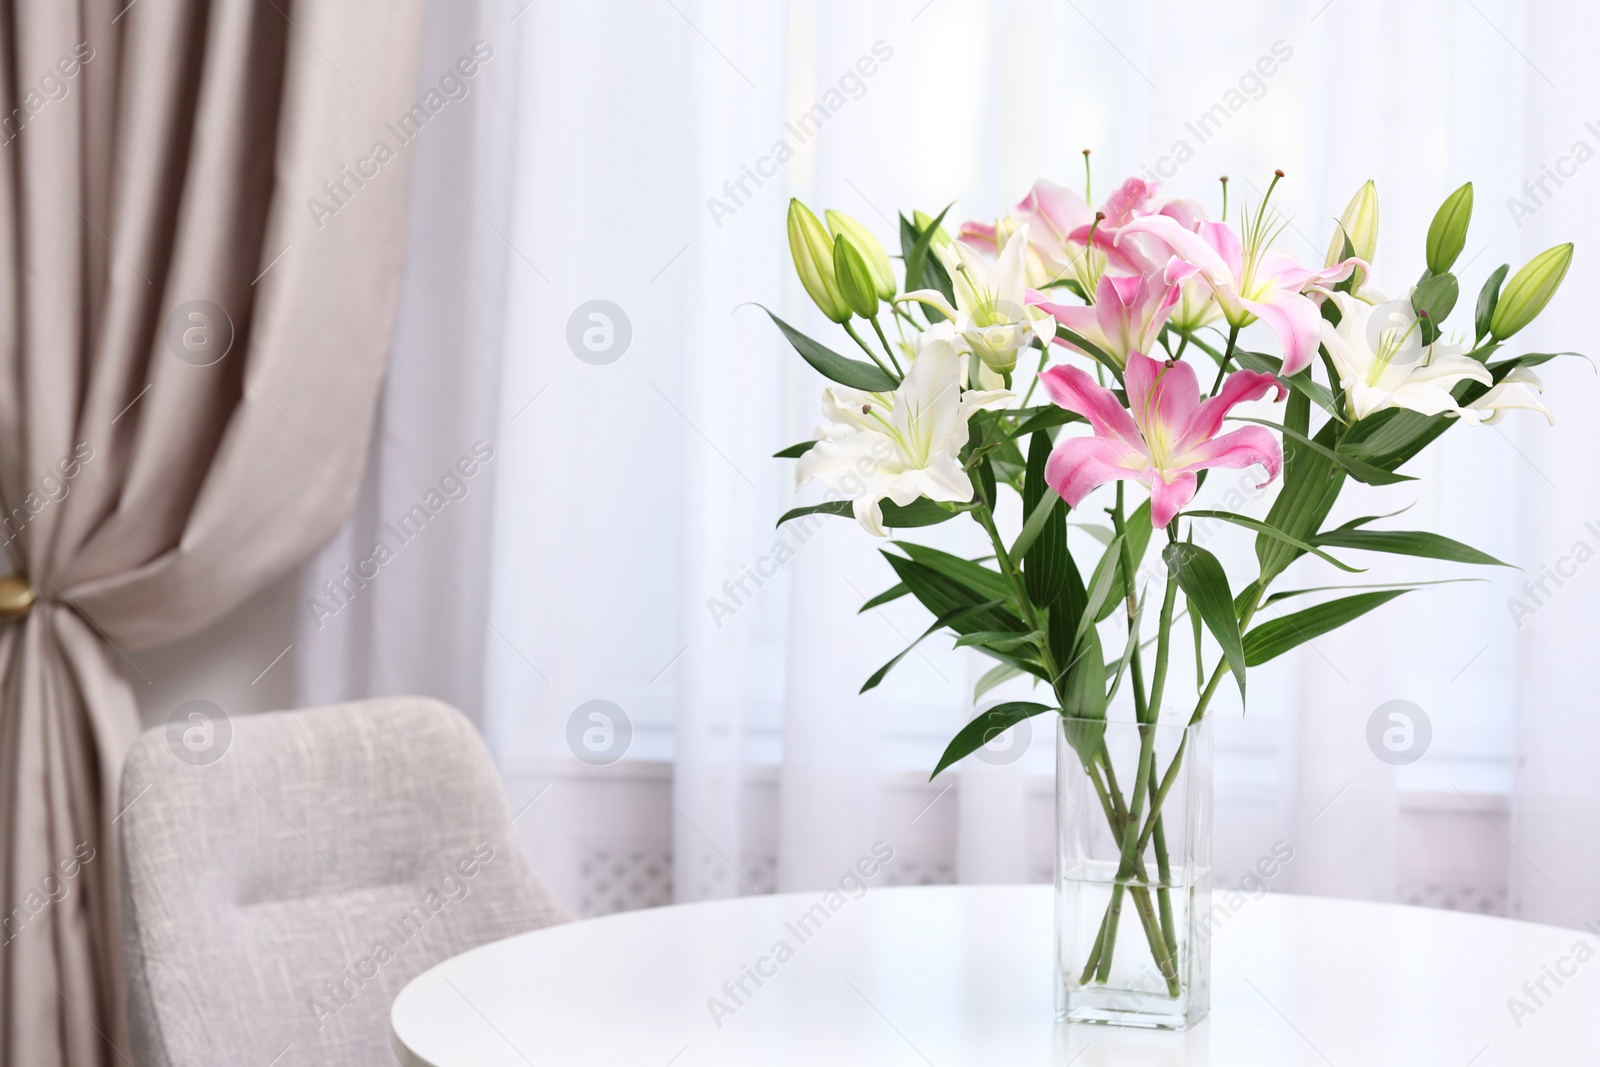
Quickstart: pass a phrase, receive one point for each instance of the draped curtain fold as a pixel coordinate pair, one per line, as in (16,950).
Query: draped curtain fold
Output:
(200,250)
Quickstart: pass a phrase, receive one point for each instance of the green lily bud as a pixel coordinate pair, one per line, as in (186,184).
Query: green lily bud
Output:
(1360,224)
(855,277)
(1448,233)
(1529,290)
(923,221)
(870,248)
(812,249)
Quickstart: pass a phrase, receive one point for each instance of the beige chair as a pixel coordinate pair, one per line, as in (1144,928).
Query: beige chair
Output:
(278,898)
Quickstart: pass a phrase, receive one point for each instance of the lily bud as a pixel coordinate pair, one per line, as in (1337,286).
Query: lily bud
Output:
(870,248)
(1359,223)
(855,277)
(812,249)
(1448,233)
(1529,290)
(923,221)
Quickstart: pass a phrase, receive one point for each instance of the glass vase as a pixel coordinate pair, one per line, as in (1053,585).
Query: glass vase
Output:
(1133,872)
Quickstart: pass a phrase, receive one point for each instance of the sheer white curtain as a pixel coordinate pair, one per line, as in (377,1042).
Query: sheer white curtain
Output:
(627,153)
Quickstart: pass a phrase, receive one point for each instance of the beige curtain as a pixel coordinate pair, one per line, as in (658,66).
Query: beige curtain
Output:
(200,245)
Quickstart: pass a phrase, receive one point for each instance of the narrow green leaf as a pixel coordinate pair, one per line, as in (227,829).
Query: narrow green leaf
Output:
(1100,585)
(996,675)
(985,728)
(1359,470)
(1136,528)
(1031,528)
(1408,543)
(850,372)
(920,512)
(1277,534)
(983,582)
(1272,639)
(1084,698)
(949,618)
(1488,297)
(794,451)
(1204,582)
(999,640)
(894,592)
(1300,383)
(1127,651)
(941,595)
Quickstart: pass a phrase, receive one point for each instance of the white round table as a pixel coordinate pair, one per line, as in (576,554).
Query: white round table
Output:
(947,976)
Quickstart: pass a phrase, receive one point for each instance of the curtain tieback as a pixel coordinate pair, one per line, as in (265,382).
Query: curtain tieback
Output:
(16,597)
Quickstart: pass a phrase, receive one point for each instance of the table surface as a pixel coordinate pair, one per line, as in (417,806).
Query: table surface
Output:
(953,975)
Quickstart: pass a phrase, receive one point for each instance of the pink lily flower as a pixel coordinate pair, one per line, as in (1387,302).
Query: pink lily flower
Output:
(1128,314)
(1250,280)
(1059,224)
(1169,434)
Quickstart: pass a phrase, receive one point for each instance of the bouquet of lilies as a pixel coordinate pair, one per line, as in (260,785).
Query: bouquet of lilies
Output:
(1064,348)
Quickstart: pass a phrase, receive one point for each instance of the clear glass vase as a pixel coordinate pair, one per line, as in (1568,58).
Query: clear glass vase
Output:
(1133,908)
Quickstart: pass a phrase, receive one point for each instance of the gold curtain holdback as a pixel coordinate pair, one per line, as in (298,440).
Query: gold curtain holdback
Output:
(16,597)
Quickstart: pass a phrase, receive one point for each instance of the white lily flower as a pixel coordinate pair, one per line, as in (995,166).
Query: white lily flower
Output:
(1382,363)
(992,315)
(900,445)
(1518,389)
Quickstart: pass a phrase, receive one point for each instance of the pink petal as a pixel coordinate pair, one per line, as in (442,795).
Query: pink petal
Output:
(1198,247)
(1240,386)
(1079,464)
(1241,448)
(1163,399)
(1130,196)
(979,235)
(1055,206)
(1167,498)
(1078,318)
(1073,389)
(1296,321)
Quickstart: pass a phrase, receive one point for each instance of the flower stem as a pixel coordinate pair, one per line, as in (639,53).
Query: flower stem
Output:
(850,329)
(888,349)
(1227,357)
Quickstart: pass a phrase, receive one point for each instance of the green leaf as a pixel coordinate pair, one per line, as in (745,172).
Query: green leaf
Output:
(1094,351)
(949,618)
(1136,529)
(850,372)
(1204,582)
(1391,437)
(1403,586)
(920,512)
(1273,532)
(983,582)
(1044,417)
(795,451)
(1407,543)
(1502,367)
(1358,469)
(915,251)
(1300,383)
(1030,529)
(941,595)
(1433,301)
(1127,651)
(999,673)
(1272,639)
(985,728)
(894,592)
(1488,297)
(998,640)
(1105,576)
(1083,695)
